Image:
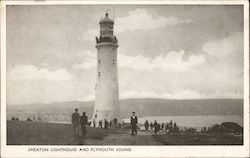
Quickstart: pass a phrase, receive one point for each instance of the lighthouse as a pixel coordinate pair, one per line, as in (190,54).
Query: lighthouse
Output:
(106,104)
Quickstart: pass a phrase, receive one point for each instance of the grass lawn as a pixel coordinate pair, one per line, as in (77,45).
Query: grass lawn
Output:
(196,139)
(38,133)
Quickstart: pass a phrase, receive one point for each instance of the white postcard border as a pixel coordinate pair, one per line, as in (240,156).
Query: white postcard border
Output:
(136,151)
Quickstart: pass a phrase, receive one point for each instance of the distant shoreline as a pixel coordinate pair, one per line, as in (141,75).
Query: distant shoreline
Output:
(182,121)
(92,101)
(215,110)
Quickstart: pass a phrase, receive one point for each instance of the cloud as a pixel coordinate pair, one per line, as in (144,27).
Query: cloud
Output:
(30,72)
(140,19)
(70,70)
(224,46)
(90,35)
(47,91)
(88,63)
(173,61)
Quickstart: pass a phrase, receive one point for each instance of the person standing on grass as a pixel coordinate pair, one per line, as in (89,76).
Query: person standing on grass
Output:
(93,122)
(106,124)
(76,121)
(115,122)
(151,127)
(156,127)
(110,124)
(134,122)
(100,124)
(83,122)
(162,126)
(146,125)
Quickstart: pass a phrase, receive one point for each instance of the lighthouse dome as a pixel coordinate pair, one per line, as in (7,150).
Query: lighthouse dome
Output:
(106,19)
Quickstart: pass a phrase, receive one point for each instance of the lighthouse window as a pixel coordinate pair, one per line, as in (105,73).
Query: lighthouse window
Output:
(99,61)
(99,73)
(113,61)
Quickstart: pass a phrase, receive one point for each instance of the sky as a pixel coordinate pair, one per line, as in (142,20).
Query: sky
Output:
(165,51)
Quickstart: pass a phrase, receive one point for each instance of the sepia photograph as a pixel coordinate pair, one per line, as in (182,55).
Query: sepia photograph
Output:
(124,75)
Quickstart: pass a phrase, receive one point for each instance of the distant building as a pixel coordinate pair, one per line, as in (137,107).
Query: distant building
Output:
(106,89)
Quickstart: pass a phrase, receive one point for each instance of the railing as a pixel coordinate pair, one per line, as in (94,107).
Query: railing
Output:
(106,39)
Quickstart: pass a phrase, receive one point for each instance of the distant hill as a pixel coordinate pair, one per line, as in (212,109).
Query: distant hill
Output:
(143,107)
(164,107)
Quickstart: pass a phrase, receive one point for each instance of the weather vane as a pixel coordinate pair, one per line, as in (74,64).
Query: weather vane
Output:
(107,11)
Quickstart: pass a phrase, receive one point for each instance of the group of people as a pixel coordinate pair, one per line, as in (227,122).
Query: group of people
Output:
(14,118)
(153,126)
(106,124)
(79,123)
(28,119)
(156,127)
(82,121)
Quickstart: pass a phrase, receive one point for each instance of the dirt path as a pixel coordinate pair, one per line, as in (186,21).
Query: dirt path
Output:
(142,138)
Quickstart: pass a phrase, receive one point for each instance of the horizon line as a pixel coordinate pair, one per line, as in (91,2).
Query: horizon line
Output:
(123,99)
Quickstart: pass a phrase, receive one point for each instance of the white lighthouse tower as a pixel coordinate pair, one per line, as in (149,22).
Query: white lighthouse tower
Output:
(106,89)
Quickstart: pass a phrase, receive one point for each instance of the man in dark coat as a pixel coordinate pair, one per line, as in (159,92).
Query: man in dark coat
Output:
(134,122)
(83,122)
(75,121)
(100,124)
(156,127)
(115,122)
(106,124)
(146,124)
